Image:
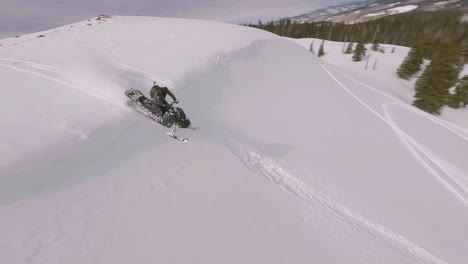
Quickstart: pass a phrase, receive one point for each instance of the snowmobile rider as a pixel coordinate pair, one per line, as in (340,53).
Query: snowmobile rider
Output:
(158,95)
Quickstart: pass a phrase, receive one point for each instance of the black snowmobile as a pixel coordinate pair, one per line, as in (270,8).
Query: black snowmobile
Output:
(174,117)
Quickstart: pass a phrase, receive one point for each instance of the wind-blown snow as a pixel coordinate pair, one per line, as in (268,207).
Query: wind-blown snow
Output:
(298,159)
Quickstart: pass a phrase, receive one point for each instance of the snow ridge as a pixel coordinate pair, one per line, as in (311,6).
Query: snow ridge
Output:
(266,166)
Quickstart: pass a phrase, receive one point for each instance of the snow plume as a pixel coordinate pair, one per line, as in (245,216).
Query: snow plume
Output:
(98,78)
(278,175)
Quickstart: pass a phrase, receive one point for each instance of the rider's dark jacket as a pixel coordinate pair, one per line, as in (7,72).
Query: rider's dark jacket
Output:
(158,94)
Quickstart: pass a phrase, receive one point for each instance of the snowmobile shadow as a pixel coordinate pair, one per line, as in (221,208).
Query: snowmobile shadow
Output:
(104,149)
(200,92)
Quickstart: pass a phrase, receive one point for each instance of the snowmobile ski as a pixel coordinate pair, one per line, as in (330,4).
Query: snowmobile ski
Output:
(181,139)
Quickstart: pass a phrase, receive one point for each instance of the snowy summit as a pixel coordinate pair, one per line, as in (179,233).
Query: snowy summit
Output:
(298,159)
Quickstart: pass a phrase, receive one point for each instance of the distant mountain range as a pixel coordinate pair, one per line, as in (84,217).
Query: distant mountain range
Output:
(360,11)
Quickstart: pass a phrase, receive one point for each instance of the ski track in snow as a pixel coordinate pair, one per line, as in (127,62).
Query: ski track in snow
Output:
(50,73)
(446,178)
(462,132)
(36,65)
(266,166)
(450,182)
(66,126)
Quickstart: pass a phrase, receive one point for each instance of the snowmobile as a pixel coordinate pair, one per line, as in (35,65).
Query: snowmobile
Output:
(174,117)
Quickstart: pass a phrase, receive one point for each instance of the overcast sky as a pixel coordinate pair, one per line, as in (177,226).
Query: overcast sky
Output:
(24,16)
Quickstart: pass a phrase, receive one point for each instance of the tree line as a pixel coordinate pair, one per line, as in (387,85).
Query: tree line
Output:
(440,38)
(402,29)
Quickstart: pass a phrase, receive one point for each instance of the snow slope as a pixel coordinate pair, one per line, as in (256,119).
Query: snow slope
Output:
(384,75)
(394,11)
(297,161)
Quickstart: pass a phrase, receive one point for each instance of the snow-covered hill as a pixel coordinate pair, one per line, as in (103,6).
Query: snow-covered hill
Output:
(297,160)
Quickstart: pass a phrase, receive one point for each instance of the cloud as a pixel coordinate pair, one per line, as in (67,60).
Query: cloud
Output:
(23,16)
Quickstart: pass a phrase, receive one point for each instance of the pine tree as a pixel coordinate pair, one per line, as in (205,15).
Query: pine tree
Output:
(460,97)
(432,88)
(360,51)
(412,62)
(349,48)
(321,51)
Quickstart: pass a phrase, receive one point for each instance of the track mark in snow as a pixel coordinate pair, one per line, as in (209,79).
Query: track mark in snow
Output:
(158,78)
(462,132)
(266,166)
(66,126)
(448,180)
(36,65)
(62,80)
(445,177)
